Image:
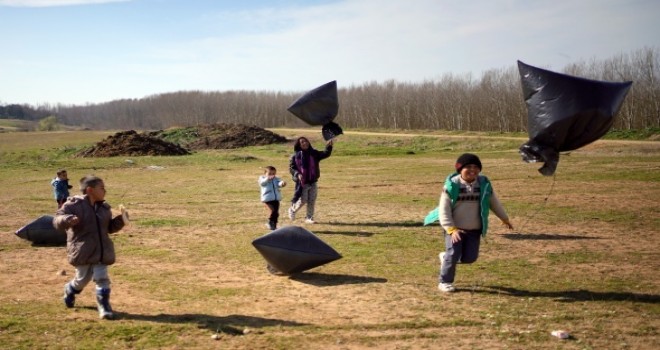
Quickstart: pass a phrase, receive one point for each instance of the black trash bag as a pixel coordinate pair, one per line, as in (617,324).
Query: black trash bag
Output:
(319,107)
(331,130)
(293,249)
(565,113)
(42,231)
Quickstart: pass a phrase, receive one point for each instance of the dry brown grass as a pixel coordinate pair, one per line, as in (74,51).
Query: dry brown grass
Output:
(585,260)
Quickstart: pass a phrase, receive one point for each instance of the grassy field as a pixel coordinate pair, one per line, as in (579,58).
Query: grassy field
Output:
(584,256)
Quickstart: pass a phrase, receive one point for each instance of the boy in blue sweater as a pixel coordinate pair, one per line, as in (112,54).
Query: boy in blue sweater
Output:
(61,187)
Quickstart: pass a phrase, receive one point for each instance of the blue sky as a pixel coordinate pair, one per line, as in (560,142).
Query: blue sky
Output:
(90,51)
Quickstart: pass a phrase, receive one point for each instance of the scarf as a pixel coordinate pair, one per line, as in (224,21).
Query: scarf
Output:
(306,166)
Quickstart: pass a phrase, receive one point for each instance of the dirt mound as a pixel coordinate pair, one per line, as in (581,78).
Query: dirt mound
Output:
(220,136)
(130,143)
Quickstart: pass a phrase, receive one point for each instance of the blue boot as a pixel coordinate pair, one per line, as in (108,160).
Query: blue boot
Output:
(70,295)
(103,303)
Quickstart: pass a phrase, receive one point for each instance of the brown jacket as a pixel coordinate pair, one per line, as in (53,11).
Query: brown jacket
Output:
(89,241)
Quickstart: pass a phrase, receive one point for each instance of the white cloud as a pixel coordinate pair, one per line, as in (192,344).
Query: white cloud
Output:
(296,48)
(53,3)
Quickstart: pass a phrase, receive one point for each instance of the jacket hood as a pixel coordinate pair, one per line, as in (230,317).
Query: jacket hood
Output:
(83,197)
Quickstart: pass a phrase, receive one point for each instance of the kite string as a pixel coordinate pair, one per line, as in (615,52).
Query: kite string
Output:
(542,206)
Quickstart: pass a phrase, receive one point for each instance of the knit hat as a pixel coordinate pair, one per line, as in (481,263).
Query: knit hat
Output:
(465,159)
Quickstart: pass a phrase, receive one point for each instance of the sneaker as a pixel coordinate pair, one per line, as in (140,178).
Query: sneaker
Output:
(310,221)
(268,226)
(446,287)
(292,214)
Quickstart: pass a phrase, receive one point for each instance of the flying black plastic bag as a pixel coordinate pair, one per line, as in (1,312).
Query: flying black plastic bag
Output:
(319,107)
(331,130)
(293,249)
(565,113)
(42,231)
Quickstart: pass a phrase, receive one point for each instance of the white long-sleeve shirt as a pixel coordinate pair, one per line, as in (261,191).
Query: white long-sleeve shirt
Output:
(466,213)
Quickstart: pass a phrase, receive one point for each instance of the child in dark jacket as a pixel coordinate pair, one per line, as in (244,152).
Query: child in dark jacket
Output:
(305,170)
(88,222)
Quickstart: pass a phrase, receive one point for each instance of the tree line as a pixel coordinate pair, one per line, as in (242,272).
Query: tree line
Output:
(491,102)
(24,112)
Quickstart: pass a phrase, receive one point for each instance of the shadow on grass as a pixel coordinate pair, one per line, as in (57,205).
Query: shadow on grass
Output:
(379,224)
(326,280)
(543,237)
(571,295)
(49,245)
(232,324)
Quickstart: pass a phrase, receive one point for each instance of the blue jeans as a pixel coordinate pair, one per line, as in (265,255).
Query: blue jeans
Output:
(465,251)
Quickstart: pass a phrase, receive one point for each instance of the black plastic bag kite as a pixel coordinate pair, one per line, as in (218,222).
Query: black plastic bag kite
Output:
(42,231)
(319,107)
(565,113)
(293,249)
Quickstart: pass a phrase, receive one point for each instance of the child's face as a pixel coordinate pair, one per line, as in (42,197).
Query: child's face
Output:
(304,144)
(97,193)
(64,176)
(470,172)
(272,172)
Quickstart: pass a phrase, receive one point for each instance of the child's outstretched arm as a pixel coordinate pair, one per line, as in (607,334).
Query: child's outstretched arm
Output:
(497,208)
(65,221)
(263,180)
(116,224)
(65,217)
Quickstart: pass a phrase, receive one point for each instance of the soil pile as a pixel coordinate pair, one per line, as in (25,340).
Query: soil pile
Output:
(220,136)
(130,143)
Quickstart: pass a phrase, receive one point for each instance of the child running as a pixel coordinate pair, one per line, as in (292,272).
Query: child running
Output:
(465,202)
(88,222)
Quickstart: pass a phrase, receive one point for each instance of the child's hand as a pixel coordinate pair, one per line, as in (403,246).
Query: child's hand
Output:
(456,236)
(282,183)
(72,220)
(124,214)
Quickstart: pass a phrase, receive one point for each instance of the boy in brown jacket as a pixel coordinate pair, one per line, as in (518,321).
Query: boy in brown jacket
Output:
(88,222)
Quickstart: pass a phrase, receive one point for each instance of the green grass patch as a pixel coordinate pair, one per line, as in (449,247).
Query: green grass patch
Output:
(641,134)
(582,260)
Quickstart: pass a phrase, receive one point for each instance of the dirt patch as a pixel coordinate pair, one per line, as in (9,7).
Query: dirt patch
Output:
(219,136)
(130,143)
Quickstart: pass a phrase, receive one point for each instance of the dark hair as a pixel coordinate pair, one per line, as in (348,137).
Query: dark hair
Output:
(61,171)
(89,181)
(296,146)
(269,168)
